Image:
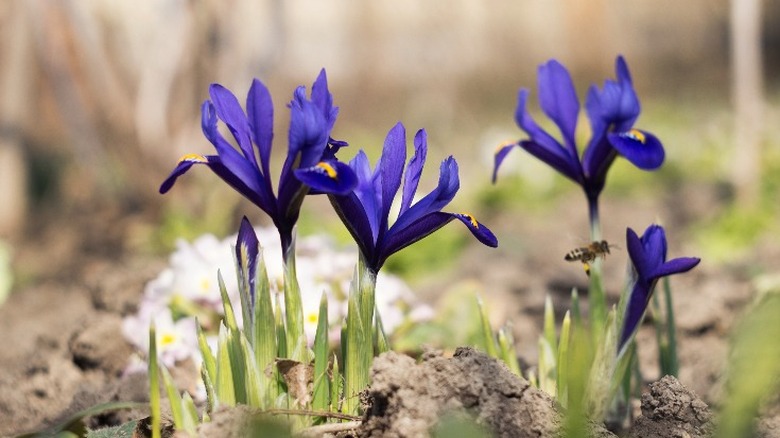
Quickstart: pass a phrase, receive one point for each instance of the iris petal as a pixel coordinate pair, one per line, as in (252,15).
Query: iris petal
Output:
(641,148)
(558,99)
(677,266)
(438,198)
(499,157)
(229,111)
(414,170)
(328,177)
(260,110)
(390,167)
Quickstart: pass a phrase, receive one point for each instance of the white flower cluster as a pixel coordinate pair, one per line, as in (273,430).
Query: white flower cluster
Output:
(189,288)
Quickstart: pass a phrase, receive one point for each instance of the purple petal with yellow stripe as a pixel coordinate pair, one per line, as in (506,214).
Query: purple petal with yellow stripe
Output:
(641,148)
(328,177)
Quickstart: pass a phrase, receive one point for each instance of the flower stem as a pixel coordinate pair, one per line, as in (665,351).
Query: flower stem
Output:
(596,294)
(293,306)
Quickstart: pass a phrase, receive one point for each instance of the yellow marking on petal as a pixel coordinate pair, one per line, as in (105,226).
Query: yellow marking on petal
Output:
(503,145)
(332,174)
(637,135)
(205,285)
(193,157)
(313,317)
(167,339)
(471,219)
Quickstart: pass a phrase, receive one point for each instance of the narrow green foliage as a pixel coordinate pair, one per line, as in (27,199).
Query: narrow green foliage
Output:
(281,333)
(547,367)
(754,368)
(211,397)
(381,344)
(563,360)
(190,414)
(549,325)
(576,315)
(225,391)
(597,300)
(264,337)
(209,362)
(580,358)
(506,347)
(227,306)
(185,416)
(336,386)
(487,332)
(666,329)
(293,310)
(154,382)
(254,389)
(320,400)
(238,362)
(355,379)
(174,398)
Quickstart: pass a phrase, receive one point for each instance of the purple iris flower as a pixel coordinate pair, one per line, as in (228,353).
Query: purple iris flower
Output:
(310,165)
(365,211)
(612,111)
(648,256)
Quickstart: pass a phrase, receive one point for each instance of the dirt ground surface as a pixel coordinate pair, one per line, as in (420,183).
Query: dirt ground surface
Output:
(64,350)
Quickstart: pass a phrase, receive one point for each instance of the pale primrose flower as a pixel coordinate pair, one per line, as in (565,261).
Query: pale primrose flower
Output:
(176,340)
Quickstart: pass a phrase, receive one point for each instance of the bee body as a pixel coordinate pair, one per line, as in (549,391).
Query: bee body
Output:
(588,254)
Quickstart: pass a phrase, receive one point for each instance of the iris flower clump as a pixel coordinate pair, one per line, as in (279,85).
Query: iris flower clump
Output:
(612,111)
(365,211)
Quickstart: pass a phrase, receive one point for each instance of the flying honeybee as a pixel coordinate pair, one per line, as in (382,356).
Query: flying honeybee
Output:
(588,254)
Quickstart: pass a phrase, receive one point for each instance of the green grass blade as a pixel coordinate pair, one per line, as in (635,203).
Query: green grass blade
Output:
(190,414)
(238,362)
(506,345)
(226,394)
(320,400)
(154,383)
(265,346)
(281,331)
(230,316)
(253,387)
(336,385)
(547,367)
(563,360)
(381,344)
(753,368)
(211,397)
(576,315)
(293,310)
(209,362)
(549,325)
(174,398)
(487,332)
(355,379)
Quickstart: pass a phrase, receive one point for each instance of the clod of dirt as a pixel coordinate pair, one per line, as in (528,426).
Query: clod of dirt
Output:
(408,399)
(670,410)
(239,422)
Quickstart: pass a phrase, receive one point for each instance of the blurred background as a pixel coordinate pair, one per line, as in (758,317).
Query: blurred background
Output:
(98,99)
